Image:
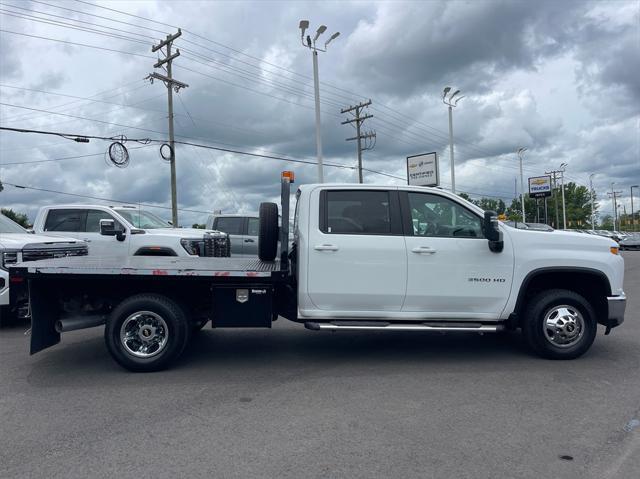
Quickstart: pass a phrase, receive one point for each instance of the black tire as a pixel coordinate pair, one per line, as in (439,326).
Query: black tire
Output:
(533,323)
(268,232)
(177,331)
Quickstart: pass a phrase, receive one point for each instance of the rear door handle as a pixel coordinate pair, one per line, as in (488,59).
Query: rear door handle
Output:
(423,250)
(325,247)
(249,241)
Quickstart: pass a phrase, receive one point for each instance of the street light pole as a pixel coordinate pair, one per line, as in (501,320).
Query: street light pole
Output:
(520,153)
(633,221)
(450,102)
(591,195)
(311,45)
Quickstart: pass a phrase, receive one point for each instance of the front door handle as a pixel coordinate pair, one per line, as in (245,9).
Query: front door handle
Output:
(423,250)
(325,247)
(86,239)
(249,241)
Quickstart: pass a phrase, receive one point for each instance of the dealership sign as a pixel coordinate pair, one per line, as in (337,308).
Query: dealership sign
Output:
(539,186)
(422,170)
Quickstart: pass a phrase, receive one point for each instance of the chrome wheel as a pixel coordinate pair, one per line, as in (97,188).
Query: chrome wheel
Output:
(563,326)
(144,334)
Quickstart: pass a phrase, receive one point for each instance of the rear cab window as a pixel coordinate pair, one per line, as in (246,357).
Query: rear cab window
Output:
(359,212)
(69,220)
(230,225)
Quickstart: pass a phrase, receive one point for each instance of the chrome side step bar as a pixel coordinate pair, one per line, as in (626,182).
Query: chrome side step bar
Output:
(389,326)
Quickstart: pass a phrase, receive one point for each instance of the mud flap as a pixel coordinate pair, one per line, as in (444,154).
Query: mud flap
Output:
(44,314)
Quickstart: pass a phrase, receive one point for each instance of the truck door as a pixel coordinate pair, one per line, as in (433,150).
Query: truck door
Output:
(250,241)
(104,245)
(451,271)
(357,259)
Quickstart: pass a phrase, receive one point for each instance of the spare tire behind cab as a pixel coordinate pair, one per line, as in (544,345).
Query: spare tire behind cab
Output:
(268,232)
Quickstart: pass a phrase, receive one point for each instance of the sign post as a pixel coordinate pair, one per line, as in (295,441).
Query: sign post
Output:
(423,170)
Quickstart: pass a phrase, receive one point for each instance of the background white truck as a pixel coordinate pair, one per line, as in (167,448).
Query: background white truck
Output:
(364,258)
(18,245)
(128,230)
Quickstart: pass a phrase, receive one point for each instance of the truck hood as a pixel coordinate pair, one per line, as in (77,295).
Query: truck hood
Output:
(562,239)
(19,240)
(179,232)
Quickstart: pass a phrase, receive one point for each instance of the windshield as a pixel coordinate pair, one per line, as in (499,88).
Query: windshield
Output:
(143,219)
(8,226)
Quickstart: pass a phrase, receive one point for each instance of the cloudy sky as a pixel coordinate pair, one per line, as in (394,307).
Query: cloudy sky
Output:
(558,77)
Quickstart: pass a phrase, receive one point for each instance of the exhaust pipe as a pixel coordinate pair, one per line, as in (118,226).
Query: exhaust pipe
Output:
(79,322)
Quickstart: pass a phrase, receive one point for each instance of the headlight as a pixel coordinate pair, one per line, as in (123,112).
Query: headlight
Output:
(194,247)
(8,258)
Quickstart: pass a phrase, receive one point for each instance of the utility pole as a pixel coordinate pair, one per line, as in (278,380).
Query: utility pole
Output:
(563,167)
(613,194)
(171,85)
(633,221)
(555,194)
(368,137)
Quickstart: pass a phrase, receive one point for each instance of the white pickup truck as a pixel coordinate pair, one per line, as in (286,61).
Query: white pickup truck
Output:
(18,245)
(365,257)
(128,230)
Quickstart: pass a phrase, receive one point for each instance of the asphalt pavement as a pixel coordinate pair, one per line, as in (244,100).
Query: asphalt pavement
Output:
(291,403)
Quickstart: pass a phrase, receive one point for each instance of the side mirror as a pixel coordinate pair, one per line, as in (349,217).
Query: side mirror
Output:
(108,228)
(492,232)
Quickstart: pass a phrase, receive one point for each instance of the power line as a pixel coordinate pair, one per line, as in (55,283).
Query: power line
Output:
(58,23)
(31,116)
(63,158)
(45,190)
(74,20)
(99,16)
(77,44)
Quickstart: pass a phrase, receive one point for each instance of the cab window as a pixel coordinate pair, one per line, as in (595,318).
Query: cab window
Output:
(71,221)
(434,215)
(356,212)
(252,226)
(93,220)
(231,225)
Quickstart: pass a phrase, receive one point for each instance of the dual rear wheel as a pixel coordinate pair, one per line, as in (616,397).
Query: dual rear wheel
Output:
(146,332)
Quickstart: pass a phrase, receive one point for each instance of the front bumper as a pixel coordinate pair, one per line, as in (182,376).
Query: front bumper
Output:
(616,306)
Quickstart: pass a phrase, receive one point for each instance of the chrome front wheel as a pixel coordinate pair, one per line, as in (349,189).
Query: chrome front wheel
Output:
(563,326)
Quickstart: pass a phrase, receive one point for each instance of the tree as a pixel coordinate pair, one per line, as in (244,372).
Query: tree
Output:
(1,187)
(607,222)
(19,218)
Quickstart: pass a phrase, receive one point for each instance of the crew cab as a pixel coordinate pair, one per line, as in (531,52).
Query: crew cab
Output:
(365,257)
(18,245)
(128,230)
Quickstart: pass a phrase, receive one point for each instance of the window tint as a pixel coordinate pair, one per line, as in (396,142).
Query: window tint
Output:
(232,226)
(66,220)
(358,212)
(252,228)
(433,215)
(93,220)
